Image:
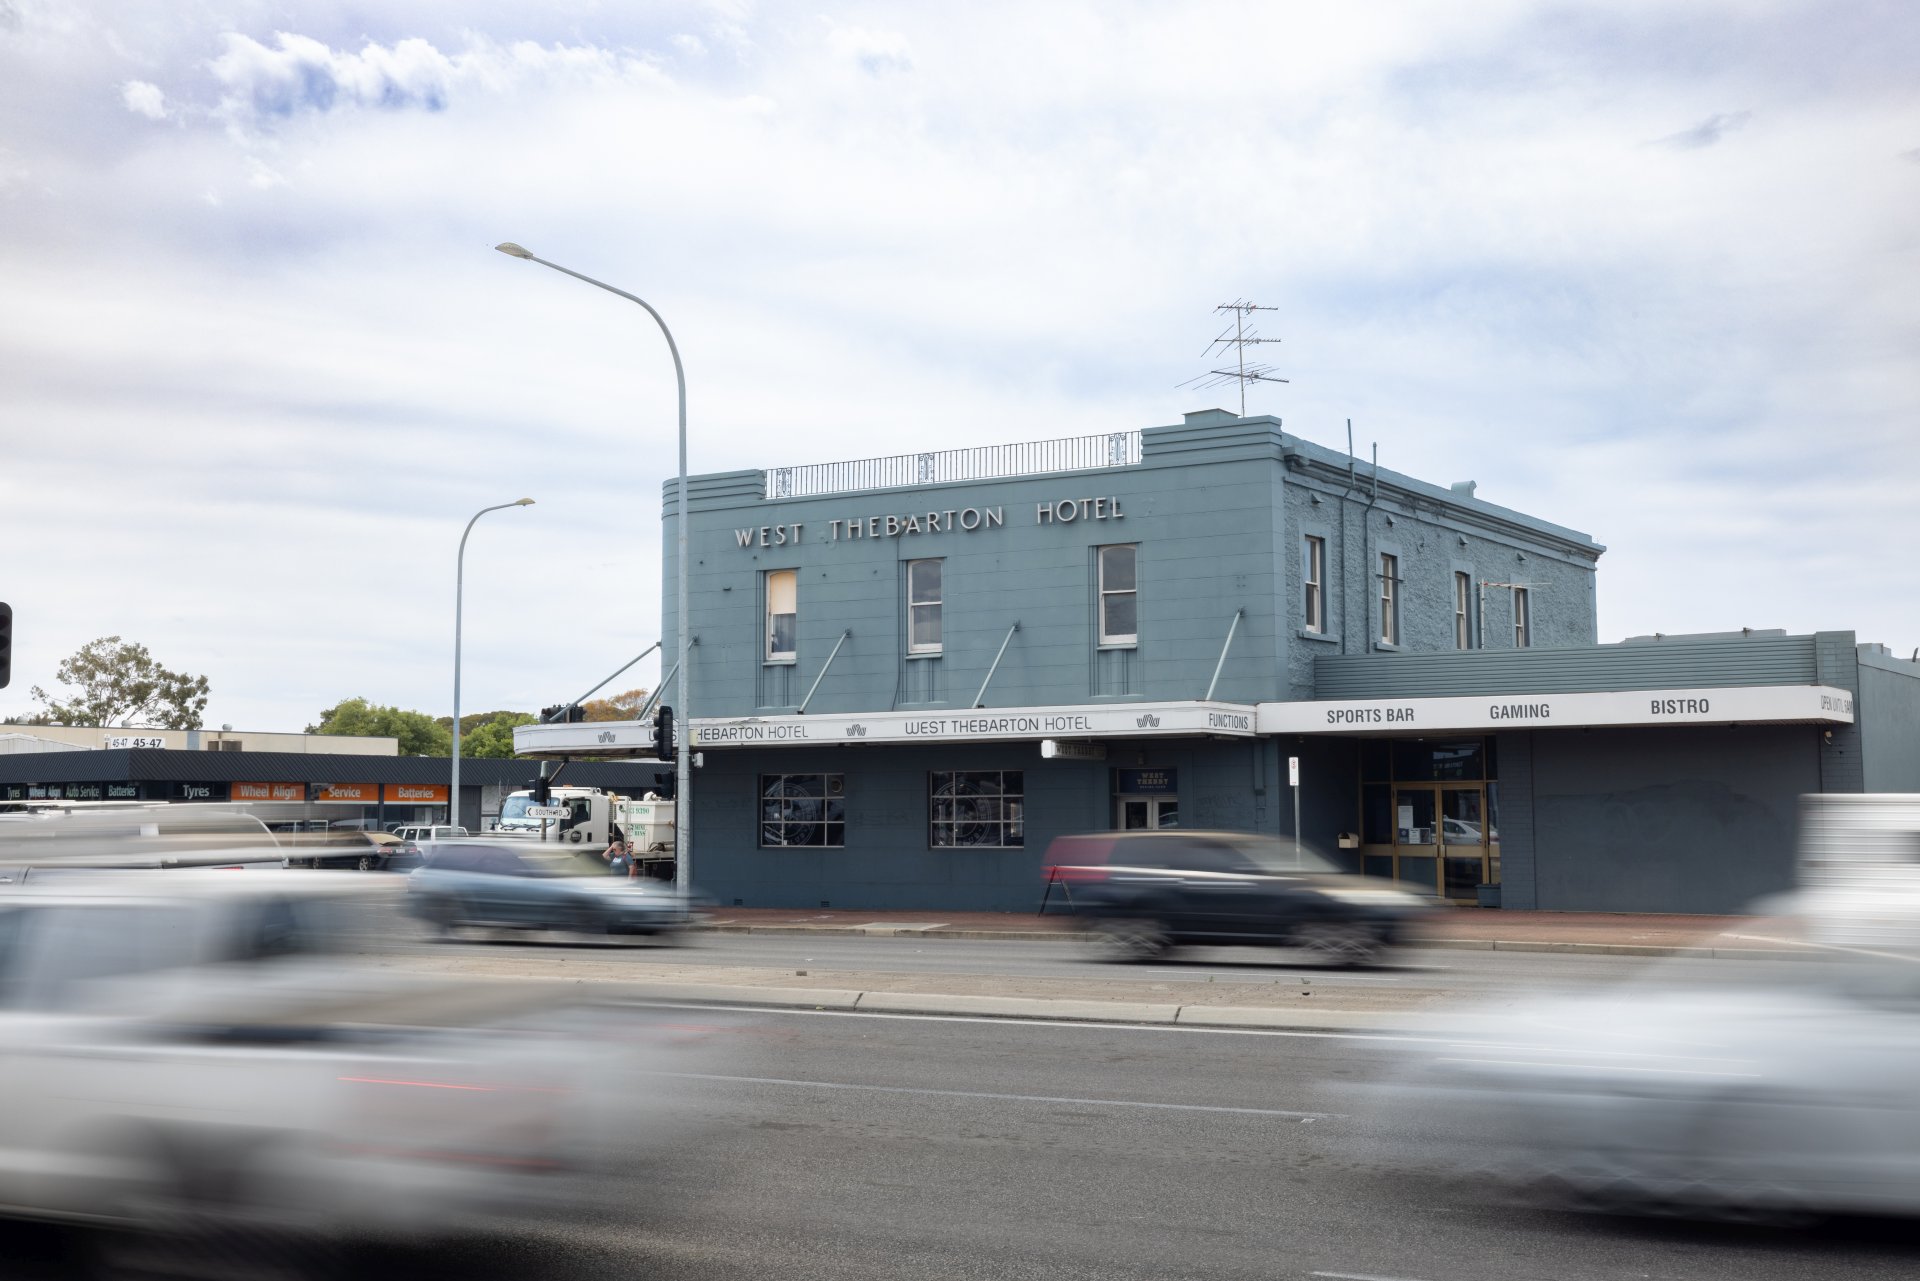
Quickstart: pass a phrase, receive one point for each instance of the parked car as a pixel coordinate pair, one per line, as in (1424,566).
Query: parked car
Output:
(1144,893)
(421,832)
(511,885)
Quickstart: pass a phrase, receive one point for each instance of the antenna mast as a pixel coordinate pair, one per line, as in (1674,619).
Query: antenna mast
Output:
(1237,339)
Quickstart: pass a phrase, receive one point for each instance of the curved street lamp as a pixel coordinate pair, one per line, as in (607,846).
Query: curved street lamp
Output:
(683,759)
(459,595)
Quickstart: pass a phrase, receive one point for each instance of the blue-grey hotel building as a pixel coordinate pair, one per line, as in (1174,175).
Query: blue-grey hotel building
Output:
(911,673)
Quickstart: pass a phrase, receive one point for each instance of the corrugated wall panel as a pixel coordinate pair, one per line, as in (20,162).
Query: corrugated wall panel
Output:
(1752,660)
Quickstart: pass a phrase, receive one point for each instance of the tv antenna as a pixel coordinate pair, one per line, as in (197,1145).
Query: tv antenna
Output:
(1237,338)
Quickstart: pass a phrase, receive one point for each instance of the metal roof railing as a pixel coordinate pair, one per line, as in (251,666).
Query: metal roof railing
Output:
(1028,458)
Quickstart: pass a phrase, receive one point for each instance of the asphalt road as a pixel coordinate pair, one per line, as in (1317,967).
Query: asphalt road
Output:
(859,1146)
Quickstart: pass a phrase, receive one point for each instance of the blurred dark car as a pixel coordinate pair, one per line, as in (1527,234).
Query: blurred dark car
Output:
(530,886)
(361,851)
(1144,893)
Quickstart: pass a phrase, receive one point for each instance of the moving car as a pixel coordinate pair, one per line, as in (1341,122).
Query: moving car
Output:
(1143,893)
(510,884)
(199,1052)
(418,832)
(1749,1088)
(361,851)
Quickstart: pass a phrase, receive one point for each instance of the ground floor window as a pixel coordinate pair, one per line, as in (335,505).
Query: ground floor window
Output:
(971,809)
(803,809)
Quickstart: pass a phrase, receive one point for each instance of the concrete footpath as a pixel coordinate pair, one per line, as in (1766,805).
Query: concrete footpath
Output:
(1290,994)
(1598,933)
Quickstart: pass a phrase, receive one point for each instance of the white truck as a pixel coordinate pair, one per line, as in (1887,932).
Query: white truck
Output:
(589,817)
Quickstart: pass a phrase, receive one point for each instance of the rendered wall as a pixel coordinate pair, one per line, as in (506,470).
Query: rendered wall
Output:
(1660,820)
(1889,723)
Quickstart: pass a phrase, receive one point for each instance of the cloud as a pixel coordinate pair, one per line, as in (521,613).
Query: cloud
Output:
(144,99)
(1707,132)
(875,52)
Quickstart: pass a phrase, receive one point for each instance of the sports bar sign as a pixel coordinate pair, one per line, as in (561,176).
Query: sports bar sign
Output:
(1728,705)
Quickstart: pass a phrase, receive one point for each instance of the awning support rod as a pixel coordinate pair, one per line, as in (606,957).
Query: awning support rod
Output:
(597,688)
(646,708)
(1231,628)
(823,671)
(980,699)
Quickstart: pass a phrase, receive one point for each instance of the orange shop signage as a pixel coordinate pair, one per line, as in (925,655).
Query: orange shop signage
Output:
(417,793)
(269,792)
(350,793)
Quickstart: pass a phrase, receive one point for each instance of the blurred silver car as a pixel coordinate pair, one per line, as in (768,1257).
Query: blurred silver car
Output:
(1753,1088)
(195,1047)
(525,885)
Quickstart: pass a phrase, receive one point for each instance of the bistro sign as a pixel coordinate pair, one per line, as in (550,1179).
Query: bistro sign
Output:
(1726,706)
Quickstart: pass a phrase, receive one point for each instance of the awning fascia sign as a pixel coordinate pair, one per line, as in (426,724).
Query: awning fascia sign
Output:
(979,725)
(982,725)
(1728,705)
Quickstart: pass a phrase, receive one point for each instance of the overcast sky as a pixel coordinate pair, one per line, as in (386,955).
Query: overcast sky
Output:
(1644,269)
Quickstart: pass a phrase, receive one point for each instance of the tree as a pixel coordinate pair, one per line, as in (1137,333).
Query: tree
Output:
(492,739)
(618,707)
(119,682)
(419,734)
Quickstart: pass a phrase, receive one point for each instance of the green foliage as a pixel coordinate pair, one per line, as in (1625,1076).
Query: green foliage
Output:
(492,739)
(419,733)
(119,683)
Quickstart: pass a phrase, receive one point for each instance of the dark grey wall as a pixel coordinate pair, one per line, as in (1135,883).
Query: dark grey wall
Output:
(1664,820)
(887,863)
(1887,715)
(1677,663)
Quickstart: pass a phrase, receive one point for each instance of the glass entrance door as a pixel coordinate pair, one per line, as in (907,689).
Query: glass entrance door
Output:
(1416,836)
(1147,813)
(1463,842)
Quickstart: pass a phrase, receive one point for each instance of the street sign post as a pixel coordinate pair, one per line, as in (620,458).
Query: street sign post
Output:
(546,811)
(1293,780)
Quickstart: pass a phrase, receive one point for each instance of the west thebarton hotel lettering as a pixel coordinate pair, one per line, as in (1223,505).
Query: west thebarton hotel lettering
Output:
(965,519)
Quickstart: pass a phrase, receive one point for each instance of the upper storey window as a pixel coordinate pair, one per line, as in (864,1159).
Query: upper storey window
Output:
(1313,569)
(1119,595)
(924,603)
(1389,599)
(783,614)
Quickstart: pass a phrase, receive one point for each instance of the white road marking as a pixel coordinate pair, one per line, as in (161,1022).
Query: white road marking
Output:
(1360,1276)
(1064,1023)
(1006,1098)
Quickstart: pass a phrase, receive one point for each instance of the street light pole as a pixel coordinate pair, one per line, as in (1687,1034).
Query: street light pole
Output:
(459,597)
(683,752)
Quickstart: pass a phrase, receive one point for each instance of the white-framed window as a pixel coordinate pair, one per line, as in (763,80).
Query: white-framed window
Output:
(1313,568)
(803,809)
(976,809)
(1522,618)
(924,597)
(1119,595)
(1462,610)
(783,614)
(1389,599)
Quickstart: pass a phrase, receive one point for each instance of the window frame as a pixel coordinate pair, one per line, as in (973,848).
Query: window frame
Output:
(768,653)
(1462,609)
(1116,640)
(1313,573)
(833,787)
(1008,822)
(938,604)
(1522,618)
(1388,633)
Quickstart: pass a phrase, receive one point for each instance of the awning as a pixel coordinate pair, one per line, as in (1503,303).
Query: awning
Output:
(1731,705)
(981,725)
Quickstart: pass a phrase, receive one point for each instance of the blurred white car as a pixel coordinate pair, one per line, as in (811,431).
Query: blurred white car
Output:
(199,1047)
(1775,1089)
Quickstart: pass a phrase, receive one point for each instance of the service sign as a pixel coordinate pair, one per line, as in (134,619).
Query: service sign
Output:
(1731,705)
(269,792)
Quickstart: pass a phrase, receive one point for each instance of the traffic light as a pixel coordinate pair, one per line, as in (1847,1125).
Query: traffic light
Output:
(563,713)
(663,733)
(6,644)
(542,791)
